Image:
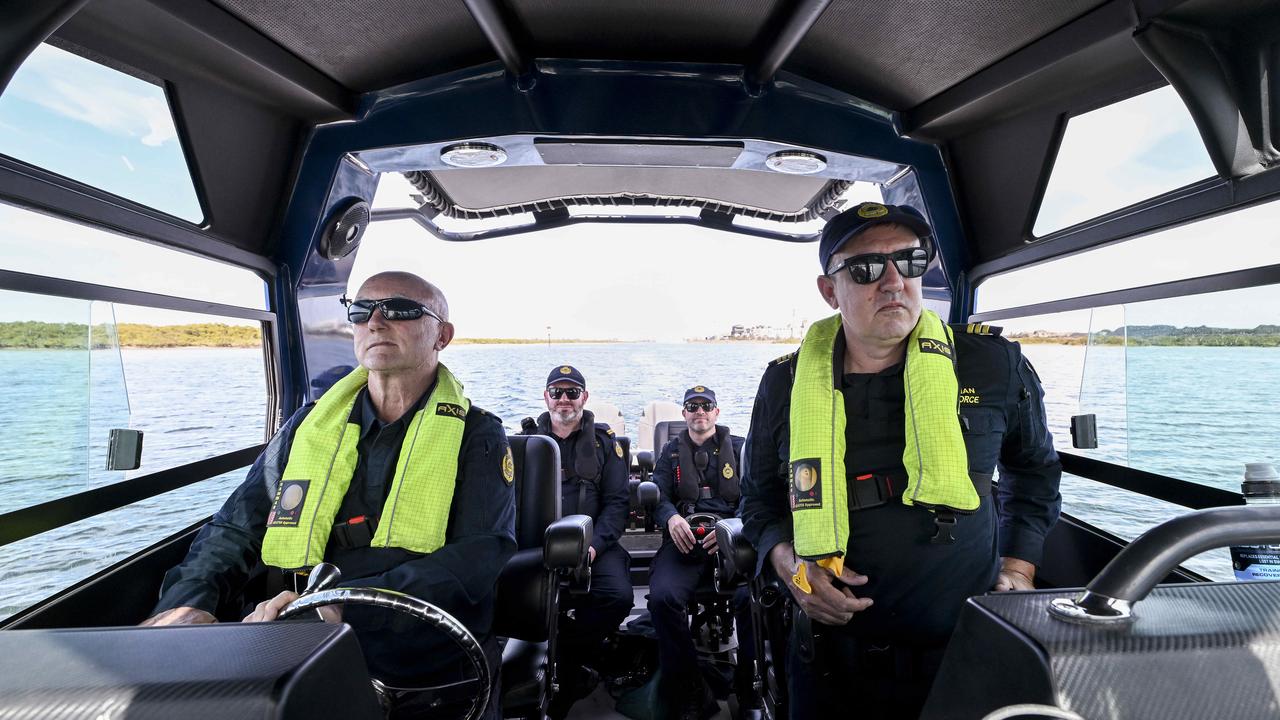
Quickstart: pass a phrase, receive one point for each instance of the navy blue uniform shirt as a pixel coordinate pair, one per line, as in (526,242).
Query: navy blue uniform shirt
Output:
(459,577)
(607,501)
(664,476)
(918,587)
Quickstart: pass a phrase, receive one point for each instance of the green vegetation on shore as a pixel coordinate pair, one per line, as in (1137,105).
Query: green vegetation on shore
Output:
(1161,336)
(70,336)
(528,341)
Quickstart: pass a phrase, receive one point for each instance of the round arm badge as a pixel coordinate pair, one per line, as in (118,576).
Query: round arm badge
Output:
(509,466)
(727,472)
(617,448)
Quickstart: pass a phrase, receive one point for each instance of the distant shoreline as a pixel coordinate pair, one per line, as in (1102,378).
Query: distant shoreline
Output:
(540,341)
(28,335)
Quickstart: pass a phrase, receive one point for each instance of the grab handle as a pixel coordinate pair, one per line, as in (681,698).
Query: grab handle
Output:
(1110,597)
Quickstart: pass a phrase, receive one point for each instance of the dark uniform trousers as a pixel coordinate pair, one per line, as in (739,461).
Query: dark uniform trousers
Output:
(674,578)
(598,613)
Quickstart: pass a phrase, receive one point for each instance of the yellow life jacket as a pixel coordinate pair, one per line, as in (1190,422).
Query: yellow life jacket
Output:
(935,457)
(322,461)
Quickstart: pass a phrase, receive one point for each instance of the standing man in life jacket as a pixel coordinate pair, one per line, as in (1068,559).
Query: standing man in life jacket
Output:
(696,472)
(870,464)
(594,484)
(393,476)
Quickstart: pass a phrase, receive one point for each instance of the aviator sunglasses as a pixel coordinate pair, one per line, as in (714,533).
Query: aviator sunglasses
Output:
(868,268)
(694,406)
(573,393)
(395,309)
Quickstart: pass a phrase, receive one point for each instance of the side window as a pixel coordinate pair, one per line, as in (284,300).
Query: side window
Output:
(100,126)
(1186,386)
(194,384)
(1120,155)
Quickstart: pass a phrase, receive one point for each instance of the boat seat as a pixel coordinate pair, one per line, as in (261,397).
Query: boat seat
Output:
(664,432)
(549,550)
(770,611)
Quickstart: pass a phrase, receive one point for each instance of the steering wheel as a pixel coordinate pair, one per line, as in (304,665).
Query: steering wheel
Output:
(702,525)
(321,593)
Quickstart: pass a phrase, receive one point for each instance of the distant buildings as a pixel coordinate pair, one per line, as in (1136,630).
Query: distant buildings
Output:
(762,333)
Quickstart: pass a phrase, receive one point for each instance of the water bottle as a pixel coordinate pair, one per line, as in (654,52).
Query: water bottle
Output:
(1258,562)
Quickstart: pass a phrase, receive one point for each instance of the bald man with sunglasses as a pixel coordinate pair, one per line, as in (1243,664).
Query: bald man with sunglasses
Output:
(868,483)
(417,439)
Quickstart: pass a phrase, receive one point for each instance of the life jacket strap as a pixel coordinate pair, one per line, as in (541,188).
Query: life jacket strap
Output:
(357,532)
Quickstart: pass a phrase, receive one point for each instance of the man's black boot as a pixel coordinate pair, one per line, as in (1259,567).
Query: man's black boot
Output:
(699,702)
(576,683)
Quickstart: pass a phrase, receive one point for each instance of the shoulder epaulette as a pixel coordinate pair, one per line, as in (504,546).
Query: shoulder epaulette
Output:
(782,359)
(978,329)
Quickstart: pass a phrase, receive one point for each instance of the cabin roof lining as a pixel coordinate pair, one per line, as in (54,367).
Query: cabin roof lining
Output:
(234,72)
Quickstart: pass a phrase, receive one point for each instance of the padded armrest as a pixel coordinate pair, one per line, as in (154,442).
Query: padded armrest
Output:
(565,544)
(737,557)
(648,494)
(644,459)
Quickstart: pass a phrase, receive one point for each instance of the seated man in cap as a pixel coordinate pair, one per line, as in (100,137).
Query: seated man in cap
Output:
(696,472)
(594,484)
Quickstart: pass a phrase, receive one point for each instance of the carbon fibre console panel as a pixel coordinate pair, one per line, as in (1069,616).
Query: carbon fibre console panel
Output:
(262,670)
(1200,650)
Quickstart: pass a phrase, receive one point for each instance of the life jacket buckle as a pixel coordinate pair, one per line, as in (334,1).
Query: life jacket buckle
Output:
(944,524)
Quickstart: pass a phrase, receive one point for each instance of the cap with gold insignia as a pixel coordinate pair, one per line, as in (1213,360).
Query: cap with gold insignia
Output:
(856,220)
(699,391)
(565,373)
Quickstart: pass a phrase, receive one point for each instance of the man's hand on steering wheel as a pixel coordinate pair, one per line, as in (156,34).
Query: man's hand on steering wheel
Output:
(268,610)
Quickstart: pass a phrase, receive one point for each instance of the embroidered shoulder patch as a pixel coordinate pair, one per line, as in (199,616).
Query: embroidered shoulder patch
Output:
(509,467)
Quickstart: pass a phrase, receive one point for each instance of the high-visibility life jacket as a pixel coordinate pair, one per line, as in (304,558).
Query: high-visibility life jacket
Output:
(323,459)
(935,457)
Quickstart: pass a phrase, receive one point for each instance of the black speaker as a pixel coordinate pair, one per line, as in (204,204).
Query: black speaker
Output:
(343,232)
(261,670)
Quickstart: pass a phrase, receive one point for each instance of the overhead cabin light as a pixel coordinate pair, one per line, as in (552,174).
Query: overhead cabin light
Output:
(796,162)
(473,155)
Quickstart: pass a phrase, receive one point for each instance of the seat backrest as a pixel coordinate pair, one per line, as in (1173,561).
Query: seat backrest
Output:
(526,594)
(537,487)
(663,432)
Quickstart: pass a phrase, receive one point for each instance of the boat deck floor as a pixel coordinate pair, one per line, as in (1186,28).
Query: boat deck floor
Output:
(600,705)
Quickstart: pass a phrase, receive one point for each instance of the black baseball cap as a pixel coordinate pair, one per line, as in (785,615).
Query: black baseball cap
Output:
(566,373)
(856,220)
(699,391)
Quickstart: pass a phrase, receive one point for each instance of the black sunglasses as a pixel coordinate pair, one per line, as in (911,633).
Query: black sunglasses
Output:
(574,393)
(694,406)
(395,309)
(868,268)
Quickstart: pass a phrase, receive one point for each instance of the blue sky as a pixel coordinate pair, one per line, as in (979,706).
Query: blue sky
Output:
(589,281)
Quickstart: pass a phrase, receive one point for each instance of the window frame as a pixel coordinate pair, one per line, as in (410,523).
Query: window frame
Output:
(52,514)
(1051,161)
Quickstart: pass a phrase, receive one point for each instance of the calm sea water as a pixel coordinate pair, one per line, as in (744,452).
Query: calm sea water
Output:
(1192,413)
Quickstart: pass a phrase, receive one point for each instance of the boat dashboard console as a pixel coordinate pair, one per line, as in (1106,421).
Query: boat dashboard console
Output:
(259,670)
(1191,650)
